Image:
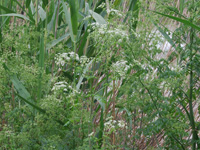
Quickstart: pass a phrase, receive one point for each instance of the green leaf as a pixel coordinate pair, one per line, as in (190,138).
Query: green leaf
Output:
(41,66)
(100,138)
(166,36)
(6,9)
(33,105)
(16,15)
(68,19)
(51,23)
(42,13)
(74,8)
(181,6)
(28,2)
(186,22)
(101,101)
(117,3)
(54,42)
(98,18)
(83,75)
(45,2)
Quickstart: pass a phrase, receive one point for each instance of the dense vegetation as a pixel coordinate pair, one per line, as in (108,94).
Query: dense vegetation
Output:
(99,74)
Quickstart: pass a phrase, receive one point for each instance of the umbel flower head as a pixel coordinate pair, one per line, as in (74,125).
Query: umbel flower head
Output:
(62,59)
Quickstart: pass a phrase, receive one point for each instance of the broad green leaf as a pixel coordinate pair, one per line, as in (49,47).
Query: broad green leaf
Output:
(32,8)
(30,15)
(68,19)
(186,22)
(16,15)
(41,66)
(74,8)
(51,23)
(28,2)
(42,13)
(83,75)
(7,10)
(30,103)
(54,42)
(98,18)
(45,2)
(101,101)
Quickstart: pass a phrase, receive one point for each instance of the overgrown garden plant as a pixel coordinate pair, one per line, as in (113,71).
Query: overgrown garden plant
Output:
(118,74)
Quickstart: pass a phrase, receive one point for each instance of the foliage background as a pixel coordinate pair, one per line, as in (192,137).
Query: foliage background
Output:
(104,74)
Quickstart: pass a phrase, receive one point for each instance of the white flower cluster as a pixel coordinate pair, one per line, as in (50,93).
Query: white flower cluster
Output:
(84,60)
(116,12)
(91,134)
(62,59)
(103,5)
(62,85)
(121,67)
(112,33)
(121,124)
(111,125)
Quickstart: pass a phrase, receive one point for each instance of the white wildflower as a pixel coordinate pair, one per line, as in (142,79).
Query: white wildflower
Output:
(121,67)
(60,85)
(62,59)
(121,124)
(116,12)
(91,134)
(103,5)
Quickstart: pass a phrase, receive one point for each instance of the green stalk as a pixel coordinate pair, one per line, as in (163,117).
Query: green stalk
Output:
(195,137)
(36,19)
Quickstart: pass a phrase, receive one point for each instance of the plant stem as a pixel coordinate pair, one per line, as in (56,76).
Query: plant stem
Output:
(195,137)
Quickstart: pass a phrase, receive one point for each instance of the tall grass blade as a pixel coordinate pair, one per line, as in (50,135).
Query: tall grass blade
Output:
(18,85)
(16,15)
(83,75)
(51,23)
(42,13)
(98,18)
(28,2)
(74,8)
(54,42)
(68,19)
(186,22)
(101,101)
(100,138)
(41,66)
(166,36)
(7,10)
(133,7)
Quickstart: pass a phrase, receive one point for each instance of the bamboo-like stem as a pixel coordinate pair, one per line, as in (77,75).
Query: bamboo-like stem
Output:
(57,16)
(36,18)
(195,137)
(113,111)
